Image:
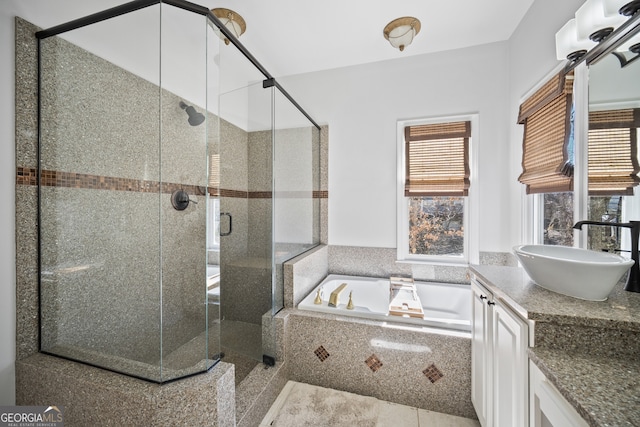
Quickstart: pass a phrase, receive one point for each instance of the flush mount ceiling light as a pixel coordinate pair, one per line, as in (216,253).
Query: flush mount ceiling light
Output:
(400,32)
(230,19)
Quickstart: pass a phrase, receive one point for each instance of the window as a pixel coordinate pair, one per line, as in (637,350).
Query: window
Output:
(433,188)
(613,174)
(557,218)
(548,158)
(213,208)
(213,223)
(609,150)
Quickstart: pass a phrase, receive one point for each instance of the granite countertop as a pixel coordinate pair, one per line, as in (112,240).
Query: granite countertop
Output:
(600,382)
(512,285)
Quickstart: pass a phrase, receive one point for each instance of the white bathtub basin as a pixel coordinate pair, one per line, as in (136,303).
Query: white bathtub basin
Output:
(445,305)
(578,273)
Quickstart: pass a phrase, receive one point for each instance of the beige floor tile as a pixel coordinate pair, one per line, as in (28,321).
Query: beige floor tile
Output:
(301,404)
(436,419)
(394,415)
(277,405)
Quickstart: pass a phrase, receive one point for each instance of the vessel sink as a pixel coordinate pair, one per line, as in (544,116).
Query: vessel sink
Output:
(578,273)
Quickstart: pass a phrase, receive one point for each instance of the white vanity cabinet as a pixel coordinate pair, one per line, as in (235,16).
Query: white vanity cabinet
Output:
(548,407)
(499,362)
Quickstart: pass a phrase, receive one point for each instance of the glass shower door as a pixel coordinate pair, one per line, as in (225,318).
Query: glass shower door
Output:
(122,271)
(245,220)
(296,202)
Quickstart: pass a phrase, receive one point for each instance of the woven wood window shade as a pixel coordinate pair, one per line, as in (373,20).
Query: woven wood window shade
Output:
(214,174)
(437,159)
(546,117)
(613,152)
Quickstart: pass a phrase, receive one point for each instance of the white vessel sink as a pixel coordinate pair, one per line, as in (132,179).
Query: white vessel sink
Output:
(578,273)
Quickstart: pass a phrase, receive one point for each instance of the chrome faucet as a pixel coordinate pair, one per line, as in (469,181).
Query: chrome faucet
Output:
(633,280)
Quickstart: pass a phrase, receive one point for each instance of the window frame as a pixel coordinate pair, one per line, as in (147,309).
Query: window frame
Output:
(471,215)
(532,216)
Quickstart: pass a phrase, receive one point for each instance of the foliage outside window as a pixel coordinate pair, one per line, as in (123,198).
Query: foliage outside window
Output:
(558,218)
(605,209)
(436,225)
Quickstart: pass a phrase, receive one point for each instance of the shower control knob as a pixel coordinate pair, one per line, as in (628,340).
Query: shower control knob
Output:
(180,200)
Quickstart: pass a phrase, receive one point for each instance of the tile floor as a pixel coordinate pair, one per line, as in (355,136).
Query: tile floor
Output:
(302,404)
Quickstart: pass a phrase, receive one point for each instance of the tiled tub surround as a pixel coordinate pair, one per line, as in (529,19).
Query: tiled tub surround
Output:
(382,262)
(427,368)
(588,350)
(305,272)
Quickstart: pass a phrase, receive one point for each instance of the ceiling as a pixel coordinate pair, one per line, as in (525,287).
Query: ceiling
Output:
(298,36)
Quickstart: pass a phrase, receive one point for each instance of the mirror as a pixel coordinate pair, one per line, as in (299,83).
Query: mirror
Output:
(614,119)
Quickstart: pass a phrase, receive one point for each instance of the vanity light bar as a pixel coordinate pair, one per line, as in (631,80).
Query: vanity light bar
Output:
(620,35)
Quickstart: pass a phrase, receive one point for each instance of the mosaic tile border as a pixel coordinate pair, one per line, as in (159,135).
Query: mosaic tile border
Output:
(373,363)
(322,353)
(29,176)
(432,373)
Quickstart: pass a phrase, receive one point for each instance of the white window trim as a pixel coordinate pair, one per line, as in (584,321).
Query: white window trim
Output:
(532,205)
(471,208)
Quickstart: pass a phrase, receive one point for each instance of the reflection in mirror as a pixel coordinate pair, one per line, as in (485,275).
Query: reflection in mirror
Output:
(614,119)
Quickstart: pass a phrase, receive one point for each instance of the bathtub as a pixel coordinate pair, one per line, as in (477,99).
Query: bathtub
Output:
(445,305)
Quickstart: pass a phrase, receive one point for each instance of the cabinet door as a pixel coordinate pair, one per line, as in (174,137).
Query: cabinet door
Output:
(510,370)
(480,354)
(548,407)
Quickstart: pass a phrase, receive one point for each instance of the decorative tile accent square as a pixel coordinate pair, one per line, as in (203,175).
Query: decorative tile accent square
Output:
(322,353)
(373,363)
(432,373)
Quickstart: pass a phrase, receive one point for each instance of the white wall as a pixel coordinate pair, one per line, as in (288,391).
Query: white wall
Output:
(362,105)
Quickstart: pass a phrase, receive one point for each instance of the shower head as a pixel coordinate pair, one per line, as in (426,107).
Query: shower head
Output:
(195,118)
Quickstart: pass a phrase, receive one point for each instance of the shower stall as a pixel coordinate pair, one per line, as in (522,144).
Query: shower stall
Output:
(175,177)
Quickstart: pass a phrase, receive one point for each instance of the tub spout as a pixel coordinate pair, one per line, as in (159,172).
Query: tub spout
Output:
(633,279)
(334,298)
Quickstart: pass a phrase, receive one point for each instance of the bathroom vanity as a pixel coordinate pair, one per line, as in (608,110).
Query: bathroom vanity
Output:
(552,359)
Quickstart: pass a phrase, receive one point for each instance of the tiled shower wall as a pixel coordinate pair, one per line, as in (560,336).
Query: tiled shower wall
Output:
(246,253)
(103,207)
(41,379)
